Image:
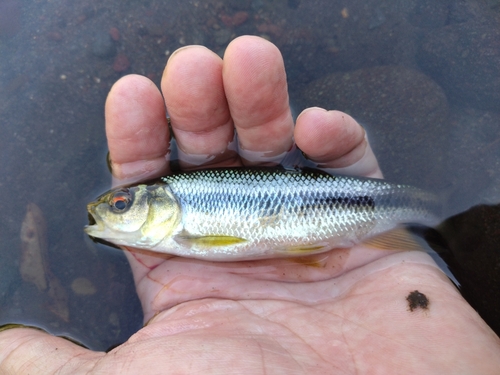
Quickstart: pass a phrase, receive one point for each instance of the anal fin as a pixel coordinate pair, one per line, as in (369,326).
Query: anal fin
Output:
(304,249)
(403,238)
(397,239)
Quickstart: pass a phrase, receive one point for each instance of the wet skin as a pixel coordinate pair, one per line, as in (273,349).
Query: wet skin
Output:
(343,312)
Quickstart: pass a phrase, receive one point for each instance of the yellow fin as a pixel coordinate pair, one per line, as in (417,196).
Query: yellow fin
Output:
(311,261)
(303,249)
(209,241)
(397,239)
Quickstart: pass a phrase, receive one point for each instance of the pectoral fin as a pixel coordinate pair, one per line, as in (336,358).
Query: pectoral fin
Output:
(208,241)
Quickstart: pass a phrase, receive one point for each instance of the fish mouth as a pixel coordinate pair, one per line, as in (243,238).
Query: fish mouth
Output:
(95,225)
(92,230)
(95,230)
(91,219)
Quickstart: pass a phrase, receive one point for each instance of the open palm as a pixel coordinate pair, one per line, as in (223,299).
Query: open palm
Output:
(342,312)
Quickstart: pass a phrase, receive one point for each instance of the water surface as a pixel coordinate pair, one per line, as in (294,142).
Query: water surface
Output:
(423,77)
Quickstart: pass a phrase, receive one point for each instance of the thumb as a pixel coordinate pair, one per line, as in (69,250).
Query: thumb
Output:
(30,351)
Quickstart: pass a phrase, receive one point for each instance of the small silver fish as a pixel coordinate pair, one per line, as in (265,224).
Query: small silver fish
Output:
(254,213)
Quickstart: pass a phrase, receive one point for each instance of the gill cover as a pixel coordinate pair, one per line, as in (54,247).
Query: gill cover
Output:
(164,215)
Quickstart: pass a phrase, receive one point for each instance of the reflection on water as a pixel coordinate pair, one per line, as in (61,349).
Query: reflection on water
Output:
(421,76)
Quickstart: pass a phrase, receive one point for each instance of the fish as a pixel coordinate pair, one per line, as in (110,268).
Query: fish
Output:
(241,213)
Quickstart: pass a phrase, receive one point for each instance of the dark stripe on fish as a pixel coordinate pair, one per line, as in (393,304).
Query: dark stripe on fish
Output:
(355,201)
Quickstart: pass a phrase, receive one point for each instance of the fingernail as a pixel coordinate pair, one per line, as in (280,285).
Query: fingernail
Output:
(109,163)
(185,48)
(311,109)
(7,326)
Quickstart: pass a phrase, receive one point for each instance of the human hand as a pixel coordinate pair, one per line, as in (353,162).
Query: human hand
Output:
(344,311)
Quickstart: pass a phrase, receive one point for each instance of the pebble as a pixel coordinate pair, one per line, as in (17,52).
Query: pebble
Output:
(83,286)
(400,108)
(103,46)
(115,34)
(465,60)
(236,19)
(222,36)
(121,63)
(55,36)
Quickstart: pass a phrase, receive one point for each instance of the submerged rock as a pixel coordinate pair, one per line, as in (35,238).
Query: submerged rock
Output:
(401,108)
(103,45)
(465,60)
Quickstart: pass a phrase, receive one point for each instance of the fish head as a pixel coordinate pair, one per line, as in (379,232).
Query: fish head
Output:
(139,216)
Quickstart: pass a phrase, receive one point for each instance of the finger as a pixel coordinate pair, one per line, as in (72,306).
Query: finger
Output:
(137,129)
(256,89)
(335,141)
(29,351)
(196,102)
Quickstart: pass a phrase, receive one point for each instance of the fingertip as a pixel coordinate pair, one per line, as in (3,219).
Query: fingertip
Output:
(185,64)
(196,102)
(251,45)
(327,136)
(335,140)
(127,87)
(256,88)
(136,128)
(253,69)
(193,90)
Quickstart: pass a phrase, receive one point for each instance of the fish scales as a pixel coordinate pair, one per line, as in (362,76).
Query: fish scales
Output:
(264,212)
(279,210)
(262,205)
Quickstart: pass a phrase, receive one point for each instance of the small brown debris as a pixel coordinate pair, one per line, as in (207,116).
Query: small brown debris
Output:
(55,36)
(121,63)
(417,300)
(114,33)
(272,29)
(235,20)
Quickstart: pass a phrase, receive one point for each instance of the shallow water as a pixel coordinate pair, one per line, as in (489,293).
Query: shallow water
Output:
(422,77)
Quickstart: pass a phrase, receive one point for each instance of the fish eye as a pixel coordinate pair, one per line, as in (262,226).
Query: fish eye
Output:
(120,200)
